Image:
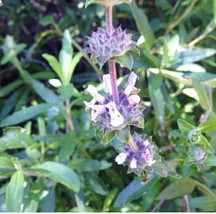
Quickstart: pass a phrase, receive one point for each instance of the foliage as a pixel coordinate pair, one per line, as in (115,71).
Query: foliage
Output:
(52,158)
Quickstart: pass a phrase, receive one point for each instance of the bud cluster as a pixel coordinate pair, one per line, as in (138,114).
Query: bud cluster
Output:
(103,45)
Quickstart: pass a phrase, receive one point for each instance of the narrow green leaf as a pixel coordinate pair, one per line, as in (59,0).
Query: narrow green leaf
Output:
(204,203)
(177,189)
(46,94)
(189,56)
(53,62)
(143,25)
(134,190)
(14,193)
(156,96)
(73,65)
(59,173)
(214,11)
(25,114)
(65,55)
(202,94)
(89,165)
(14,138)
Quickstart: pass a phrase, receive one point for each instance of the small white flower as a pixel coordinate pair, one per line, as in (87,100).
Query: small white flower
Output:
(120,159)
(116,118)
(133,163)
(131,82)
(107,84)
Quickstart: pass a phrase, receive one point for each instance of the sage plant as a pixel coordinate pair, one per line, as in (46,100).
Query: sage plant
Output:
(118,110)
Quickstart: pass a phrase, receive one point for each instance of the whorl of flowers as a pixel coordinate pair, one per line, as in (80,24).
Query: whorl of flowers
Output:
(138,154)
(103,45)
(196,155)
(111,116)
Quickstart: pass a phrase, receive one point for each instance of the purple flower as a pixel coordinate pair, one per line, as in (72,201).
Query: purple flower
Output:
(113,116)
(103,45)
(138,154)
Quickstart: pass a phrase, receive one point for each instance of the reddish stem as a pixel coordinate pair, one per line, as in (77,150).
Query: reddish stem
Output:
(112,64)
(109,25)
(112,72)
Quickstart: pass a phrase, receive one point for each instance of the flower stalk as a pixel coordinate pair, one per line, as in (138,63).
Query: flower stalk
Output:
(112,64)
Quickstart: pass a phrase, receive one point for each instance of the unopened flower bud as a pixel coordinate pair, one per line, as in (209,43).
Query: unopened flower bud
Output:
(103,45)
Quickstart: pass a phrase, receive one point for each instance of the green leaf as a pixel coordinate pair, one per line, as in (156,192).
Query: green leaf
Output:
(210,161)
(206,144)
(54,64)
(189,56)
(125,60)
(202,94)
(46,20)
(143,25)
(14,193)
(179,188)
(134,190)
(32,195)
(25,114)
(185,127)
(156,96)
(173,75)
(96,184)
(89,165)
(204,203)
(59,173)
(108,137)
(68,144)
(67,91)
(208,126)
(65,55)
(14,138)
(6,164)
(46,94)
(73,65)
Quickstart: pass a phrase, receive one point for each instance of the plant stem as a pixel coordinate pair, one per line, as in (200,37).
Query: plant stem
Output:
(112,64)
(204,189)
(208,30)
(112,72)
(185,203)
(109,25)
(177,21)
(69,124)
(157,206)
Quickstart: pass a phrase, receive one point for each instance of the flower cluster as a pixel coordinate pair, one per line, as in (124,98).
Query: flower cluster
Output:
(113,116)
(138,154)
(117,110)
(103,45)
